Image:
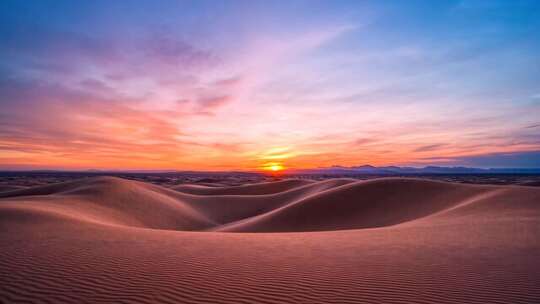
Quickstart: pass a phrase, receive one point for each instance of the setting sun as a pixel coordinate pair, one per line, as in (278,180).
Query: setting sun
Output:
(273,166)
(276,167)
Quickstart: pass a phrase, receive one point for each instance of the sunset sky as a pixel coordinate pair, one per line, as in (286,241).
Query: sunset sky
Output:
(212,85)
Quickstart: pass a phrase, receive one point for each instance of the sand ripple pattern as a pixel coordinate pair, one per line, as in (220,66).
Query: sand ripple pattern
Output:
(108,240)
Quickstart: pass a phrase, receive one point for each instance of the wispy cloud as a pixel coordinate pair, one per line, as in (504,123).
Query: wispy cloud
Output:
(525,159)
(428,148)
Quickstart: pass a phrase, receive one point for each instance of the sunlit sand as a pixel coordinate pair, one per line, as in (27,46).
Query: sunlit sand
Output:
(395,240)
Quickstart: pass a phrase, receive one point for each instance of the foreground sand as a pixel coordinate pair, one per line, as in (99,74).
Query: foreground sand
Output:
(335,241)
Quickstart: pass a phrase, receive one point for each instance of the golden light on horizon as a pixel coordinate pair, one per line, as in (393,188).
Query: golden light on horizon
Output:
(276,167)
(273,159)
(273,166)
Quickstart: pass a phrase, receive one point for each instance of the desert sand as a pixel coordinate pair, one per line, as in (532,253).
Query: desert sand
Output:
(389,240)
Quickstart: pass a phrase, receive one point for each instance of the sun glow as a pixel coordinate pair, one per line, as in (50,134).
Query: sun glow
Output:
(274,167)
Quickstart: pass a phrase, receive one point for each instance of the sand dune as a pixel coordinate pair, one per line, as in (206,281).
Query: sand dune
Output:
(7,188)
(336,204)
(250,189)
(368,204)
(110,201)
(379,241)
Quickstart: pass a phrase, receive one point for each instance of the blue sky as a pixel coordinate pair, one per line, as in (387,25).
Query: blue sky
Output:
(250,84)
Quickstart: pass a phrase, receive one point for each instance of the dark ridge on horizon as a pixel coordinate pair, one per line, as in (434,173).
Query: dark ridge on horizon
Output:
(393,170)
(10,179)
(337,169)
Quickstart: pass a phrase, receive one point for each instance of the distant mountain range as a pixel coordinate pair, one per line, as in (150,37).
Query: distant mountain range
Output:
(334,170)
(393,170)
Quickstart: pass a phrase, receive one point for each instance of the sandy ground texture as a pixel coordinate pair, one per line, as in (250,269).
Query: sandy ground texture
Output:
(389,240)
